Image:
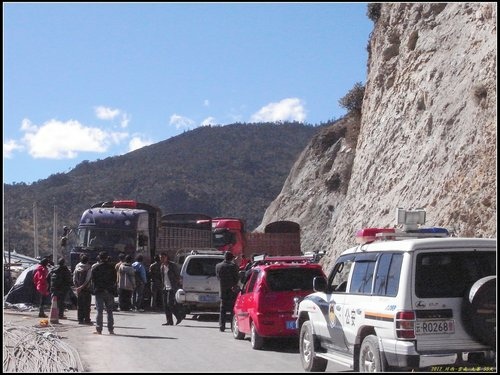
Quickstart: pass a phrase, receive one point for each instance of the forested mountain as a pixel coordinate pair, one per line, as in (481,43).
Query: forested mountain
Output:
(234,170)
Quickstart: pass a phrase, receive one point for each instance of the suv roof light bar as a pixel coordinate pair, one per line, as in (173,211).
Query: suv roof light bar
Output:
(419,233)
(367,235)
(410,219)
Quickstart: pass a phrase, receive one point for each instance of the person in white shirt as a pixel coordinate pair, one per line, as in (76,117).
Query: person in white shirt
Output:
(171,283)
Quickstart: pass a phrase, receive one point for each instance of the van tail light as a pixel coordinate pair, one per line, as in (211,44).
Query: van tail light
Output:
(405,325)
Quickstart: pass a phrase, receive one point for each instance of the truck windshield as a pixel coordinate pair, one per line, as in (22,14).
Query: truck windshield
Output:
(100,238)
(222,238)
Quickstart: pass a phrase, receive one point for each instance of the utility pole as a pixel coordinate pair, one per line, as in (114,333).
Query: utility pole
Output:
(8,245)
(55,255)
(35,230)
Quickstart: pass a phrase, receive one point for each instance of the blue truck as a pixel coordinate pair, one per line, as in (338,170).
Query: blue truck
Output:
(131,227)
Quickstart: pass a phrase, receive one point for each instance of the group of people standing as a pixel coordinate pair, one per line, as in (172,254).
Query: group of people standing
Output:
(103,279)
(131,281)
(57,282)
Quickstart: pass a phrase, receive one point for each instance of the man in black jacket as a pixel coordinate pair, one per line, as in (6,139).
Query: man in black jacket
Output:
(227,273)
(60,284)
(103,276)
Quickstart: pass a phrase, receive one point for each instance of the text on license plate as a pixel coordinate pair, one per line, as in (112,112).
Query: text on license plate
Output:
(291,324)
(430,327)
(207,298)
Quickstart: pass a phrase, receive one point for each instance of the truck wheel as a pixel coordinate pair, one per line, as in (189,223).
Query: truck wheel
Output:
(256,340)
(370,358)
(236,332)
(310,362)
(479,310)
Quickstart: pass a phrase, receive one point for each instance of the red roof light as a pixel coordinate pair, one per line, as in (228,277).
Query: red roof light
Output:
(125,204)
(367,235)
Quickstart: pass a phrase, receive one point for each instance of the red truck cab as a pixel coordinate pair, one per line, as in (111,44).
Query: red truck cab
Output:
(228,235)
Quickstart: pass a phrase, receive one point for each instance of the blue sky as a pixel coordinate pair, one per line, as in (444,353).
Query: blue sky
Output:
(85,81)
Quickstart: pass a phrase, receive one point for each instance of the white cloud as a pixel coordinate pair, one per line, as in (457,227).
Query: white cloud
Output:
(208,121)
(125,120)
(27,125)
(106,113)
(290,109)
(206,103)
(63,140)
(9,147)
(181,122)
(137,143)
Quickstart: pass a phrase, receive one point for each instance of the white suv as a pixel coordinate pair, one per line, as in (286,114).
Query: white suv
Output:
(404,305)
(200,286)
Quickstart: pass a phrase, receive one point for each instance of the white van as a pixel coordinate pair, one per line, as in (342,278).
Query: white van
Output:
(200,286)
(407,304)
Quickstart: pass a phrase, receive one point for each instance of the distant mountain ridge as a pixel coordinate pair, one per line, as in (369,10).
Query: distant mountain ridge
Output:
(233,170)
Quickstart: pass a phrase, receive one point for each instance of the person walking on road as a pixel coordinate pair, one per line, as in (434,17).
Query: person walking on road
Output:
(171,283)
(227,273)
(41,284)
(103,276)
(156,284)
(61,281)
(140,283)
(81,280)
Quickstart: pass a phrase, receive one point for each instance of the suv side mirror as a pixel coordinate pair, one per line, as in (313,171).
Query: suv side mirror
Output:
(319,284)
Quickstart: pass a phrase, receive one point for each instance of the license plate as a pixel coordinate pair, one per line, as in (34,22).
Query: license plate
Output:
(434,327)
(291,324)
(207,298)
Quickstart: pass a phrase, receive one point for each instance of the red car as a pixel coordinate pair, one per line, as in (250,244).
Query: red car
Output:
(265,304)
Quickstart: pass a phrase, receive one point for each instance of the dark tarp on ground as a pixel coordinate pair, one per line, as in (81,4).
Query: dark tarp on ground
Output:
(24,290)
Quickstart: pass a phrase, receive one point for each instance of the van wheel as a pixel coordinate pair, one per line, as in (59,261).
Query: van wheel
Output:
(236,332)
(310,362)
(370,358)
(479,310)
(256,340)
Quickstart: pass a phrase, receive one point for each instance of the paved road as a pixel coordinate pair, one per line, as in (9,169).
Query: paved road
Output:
(142,344)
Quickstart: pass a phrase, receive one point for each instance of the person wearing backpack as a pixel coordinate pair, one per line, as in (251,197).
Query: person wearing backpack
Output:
(81,280)
(140,283)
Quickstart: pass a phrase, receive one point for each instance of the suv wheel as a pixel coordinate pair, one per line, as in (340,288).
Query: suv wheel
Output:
(479,310)
(370,358)
(307,351)
(255,339)
(236,332)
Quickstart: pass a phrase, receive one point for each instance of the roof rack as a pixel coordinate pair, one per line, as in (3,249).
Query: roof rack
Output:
(205,251)
(266,259)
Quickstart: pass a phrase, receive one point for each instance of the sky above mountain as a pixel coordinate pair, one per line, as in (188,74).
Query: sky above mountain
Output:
(85,81)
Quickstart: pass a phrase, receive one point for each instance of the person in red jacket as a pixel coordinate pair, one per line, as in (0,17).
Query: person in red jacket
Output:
(41,284)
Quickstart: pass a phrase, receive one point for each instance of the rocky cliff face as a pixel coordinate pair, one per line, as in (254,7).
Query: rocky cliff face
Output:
(427,136)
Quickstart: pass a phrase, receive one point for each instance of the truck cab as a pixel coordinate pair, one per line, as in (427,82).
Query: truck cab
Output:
(121,226)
